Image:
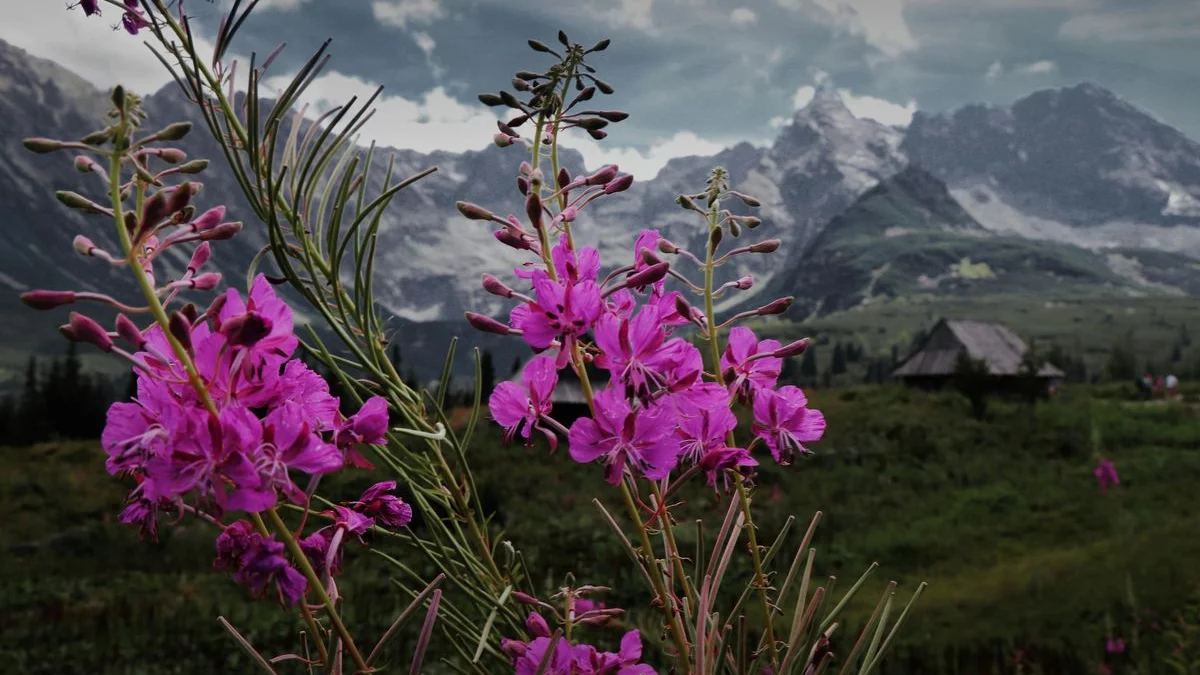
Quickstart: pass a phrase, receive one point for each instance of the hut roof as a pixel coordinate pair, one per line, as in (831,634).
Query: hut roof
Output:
(992,343)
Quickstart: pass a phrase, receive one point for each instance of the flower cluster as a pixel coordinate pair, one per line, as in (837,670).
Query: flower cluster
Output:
(224,418)
(658,410)
(273,415)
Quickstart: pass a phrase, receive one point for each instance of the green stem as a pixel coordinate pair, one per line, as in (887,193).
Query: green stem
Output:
(660,589)
(714,337)
(311,623)
(139,274)
(315,584)
(673,548)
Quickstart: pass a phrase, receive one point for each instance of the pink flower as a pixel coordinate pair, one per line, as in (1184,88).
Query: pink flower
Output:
(1114,646)
(633,351)
(387,510)
(1106,475)
(300,385)
(290,442)
(745,373)
(704,429)
(716,461)
(644,439)
(262,324)
(783,420)
(367,426)
(258,563)
(562,308)
(521,409)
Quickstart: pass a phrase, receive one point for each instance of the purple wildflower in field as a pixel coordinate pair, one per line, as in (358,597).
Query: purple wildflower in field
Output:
(387,510)
(1106,475)
(1114,645)
(258,563)
(520,409)
(643,440)
(785,422)
(747,363)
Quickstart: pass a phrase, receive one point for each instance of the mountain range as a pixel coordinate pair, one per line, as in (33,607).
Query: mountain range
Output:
(1065,190)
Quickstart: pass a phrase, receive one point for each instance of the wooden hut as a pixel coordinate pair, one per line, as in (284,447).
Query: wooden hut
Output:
(938,359)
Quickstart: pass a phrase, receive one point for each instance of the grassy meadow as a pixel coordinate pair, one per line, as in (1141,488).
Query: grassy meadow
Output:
(1002,516)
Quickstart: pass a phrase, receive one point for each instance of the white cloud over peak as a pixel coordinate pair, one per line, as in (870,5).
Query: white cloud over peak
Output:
(879,109)
(644,165)
(1038,68)
(864,107)
(402,12)
(995,70)
(743,16)
(803,96)
(637,14)
(434,121)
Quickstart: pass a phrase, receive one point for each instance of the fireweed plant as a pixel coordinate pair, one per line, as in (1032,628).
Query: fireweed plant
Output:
(230,428)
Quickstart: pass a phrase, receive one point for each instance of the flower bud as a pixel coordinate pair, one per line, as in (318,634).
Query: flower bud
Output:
(682,306)
(603,176)
(569,214)
(749,221)
(206,281)
(564,178)
(486,324)
(522,185)
(85,164)
(48,299)
(649,258)
(514,649)
(154,209)
(536,177)
(247,329)
(42,145)
(181,329)
(746,199)
(768,246)
(496,287)
(667,246)
(776,307)
(190,312)
(791,349)
(192,167)
(537,626)
(179,198)
(735,229)
(474,211)
(129,331)
(524,598)
(75,200)
(619,185)
(83,245)
(688,203)
(714,238)
(172,155)
(209,219)
(174,132)
(221,232)
(533,210)
(98,137)
(200,256)
(524,169)
(214,309)
(650,275)
(510,238)
(503,140)
(85,329)
(744,283)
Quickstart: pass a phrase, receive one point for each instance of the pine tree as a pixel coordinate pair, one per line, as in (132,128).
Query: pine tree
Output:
(808,365)
(487,373)
(29,408)
(838,366)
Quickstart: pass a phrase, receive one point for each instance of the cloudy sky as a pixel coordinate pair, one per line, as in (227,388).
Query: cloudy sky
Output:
(696,75)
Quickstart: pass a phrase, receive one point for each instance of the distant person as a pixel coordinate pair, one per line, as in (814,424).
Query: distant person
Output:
(1144,387)
(1172,385)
